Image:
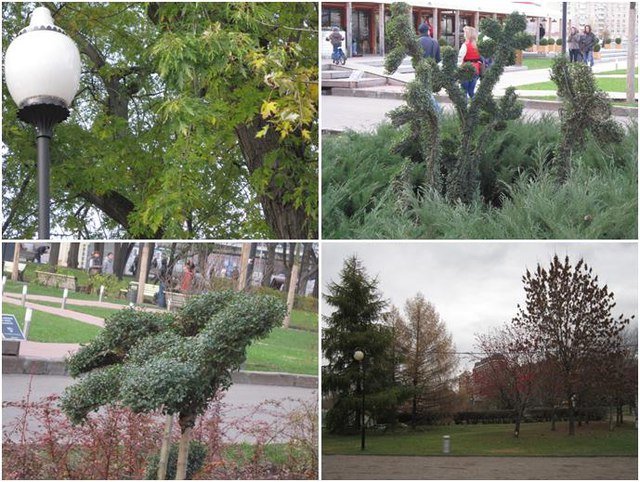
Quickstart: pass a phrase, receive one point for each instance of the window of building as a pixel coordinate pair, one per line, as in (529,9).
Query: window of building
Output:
(332,17)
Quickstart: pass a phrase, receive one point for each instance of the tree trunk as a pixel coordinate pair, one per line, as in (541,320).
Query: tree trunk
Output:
(285,220)
(291,294)
(164,450)
(516,431)
(619,414)
(183,454)
(72,258)
(631,54)
(414,408)
(308,268)
(553,419)
(610,417)
(99,247)
(15,270)
(269,264)
(142,272)
(288,258)
(241,283)
(120,256)
(54,254)
(572,418)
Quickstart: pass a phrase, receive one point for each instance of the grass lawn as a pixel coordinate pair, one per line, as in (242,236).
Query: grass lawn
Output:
(292,351)
(606,84)
(52,328)
(535,63)
(553,97)
(36,289)
(99,311)
(304,320)
(494,439)
(616,72)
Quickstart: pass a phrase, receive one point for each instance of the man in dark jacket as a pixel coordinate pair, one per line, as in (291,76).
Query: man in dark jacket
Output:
(431,49)
(429,46)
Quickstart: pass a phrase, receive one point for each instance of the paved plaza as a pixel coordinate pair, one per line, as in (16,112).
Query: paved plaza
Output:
(451,467)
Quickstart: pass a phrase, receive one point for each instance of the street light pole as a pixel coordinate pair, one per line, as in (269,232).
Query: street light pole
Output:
(359,357)
(42,71)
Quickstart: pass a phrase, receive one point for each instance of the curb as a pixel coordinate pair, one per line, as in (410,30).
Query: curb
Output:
(19,365)
(550,105)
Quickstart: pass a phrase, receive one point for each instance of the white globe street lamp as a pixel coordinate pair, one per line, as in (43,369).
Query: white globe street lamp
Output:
(42,71)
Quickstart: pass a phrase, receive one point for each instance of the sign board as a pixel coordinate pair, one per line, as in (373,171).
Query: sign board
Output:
(10,328)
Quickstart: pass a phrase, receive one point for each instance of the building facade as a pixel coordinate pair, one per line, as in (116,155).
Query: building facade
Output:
(364,22)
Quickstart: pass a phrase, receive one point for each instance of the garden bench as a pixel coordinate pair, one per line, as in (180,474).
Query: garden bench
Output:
(8,268)
(57,280)
(150,291)
(177,300)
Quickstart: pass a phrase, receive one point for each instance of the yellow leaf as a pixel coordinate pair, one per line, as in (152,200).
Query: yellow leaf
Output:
(268,108)
(262,132)
(305,135)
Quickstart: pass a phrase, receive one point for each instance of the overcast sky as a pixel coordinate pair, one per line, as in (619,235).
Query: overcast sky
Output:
(477,285)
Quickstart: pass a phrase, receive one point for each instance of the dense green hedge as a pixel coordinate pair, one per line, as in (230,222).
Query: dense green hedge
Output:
(370,192)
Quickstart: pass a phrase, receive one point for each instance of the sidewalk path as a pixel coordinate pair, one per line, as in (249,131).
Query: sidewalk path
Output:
(75,315)
(375,65)
(452,467)
(77,302)
(363,114)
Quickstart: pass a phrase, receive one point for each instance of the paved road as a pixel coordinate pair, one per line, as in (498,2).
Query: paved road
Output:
(398,467)
(240,400)
(362,114)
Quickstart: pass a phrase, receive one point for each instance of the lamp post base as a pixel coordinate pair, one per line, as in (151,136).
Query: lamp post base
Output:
(43,113)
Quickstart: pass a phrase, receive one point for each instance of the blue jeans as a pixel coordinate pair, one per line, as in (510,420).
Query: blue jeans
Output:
(588,58)
(470,86)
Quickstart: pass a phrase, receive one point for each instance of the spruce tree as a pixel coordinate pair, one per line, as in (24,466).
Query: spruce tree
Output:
(356,324)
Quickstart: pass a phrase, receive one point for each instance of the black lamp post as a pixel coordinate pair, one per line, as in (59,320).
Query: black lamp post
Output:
(42,71)
(359,357)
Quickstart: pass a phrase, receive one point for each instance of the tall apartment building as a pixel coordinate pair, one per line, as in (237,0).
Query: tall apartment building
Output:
(604,17)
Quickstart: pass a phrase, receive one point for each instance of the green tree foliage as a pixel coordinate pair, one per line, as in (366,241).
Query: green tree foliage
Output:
(174,364)
(567,315)
(354,325)
(477,117)
(194,119)
(585,109)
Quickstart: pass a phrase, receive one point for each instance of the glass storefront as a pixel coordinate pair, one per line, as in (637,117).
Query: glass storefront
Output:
(361,32)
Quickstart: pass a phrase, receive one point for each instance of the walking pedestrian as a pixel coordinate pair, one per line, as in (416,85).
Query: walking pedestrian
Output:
(107,268)
(469,53)
(573,44)
(430,49)
(587,43)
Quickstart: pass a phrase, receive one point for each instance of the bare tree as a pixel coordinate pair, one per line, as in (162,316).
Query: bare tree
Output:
(568,316)
(511,368)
